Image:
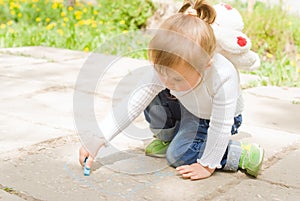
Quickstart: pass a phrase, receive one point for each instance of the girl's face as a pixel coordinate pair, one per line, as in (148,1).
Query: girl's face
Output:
(179,78)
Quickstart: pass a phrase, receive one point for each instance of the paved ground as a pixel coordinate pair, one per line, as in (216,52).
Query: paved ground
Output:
(39,144)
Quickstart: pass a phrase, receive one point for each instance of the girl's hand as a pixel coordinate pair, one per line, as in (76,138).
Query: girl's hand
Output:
(194,171)
(83,154)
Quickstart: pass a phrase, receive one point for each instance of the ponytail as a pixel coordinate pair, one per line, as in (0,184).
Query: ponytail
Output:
(185,37)
(204,10)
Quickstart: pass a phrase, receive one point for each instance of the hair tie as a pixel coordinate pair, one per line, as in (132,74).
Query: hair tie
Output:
(191,11)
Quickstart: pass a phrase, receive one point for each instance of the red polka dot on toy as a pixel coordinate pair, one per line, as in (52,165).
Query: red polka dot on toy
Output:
(241,41)
(227,6)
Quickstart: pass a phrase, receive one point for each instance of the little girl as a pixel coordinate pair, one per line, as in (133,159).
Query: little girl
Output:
(191,99)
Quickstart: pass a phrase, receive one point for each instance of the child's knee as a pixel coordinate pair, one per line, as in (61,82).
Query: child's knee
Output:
(172,161)
(176,158)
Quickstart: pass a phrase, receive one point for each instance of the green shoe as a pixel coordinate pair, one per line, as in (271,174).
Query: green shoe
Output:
(251,158)
(157,148)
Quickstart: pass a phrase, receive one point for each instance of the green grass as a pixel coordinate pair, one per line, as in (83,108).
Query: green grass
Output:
(79,27)
(275,34)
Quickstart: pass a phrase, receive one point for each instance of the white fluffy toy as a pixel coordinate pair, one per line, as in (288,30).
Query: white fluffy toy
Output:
(231,42)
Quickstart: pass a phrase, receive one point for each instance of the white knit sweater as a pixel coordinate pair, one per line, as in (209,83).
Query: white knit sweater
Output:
(217,98)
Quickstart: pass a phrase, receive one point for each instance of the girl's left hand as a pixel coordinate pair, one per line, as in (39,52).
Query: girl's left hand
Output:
(194,171)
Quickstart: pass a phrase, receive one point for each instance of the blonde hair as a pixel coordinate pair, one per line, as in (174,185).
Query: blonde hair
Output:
(185,38)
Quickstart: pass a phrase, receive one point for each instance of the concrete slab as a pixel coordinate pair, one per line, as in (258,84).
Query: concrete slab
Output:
(285,172)
(64,178)
(269,112)
(46,53)
(289,94)
(273,141)
(249,80)
(4,196)
(12,87)
(15,60)
(50,72)
(256,190)
(17,133)
(37,107)
(37,112)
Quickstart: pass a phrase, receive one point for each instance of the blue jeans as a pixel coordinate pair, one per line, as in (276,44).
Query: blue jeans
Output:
(171,121)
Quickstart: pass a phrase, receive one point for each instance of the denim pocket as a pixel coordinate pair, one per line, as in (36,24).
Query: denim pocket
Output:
(198,144)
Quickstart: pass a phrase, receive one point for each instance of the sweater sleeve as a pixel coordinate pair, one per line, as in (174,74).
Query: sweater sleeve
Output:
(129,108)
(224,101)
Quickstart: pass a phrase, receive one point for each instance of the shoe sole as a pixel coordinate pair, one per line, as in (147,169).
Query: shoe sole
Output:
(254,174)
(156,155)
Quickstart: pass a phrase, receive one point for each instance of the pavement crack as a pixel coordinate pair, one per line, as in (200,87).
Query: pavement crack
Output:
(40,147)
(18,193)
(39,123)
(280,155)
(279,184)
(221,190)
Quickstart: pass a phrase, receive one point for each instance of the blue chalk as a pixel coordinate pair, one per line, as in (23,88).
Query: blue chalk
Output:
(86,170)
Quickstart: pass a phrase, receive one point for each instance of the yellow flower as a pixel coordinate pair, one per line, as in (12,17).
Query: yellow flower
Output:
(125,31)
(88,22)
(100,22)
(54,6)
(33,6)
(11,30)
(86,49)
(94,25)
(48,19)
(78,4)
(78,12)
(11,5)
(122,22)
(35,1)
(78,15)
(70,8)
(95,12)
(85,10)
(12,12)
(81,22)
(3,26)
(20,15)
(270,56)
(50,26)
(10,22)
(38,10)
(66,19)
(60,32)
(38,19)
(17,5)
(293,63)
(64,24)
(63,14)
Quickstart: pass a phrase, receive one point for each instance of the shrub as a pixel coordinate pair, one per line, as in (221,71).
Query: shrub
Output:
(79,27)
(276,37)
